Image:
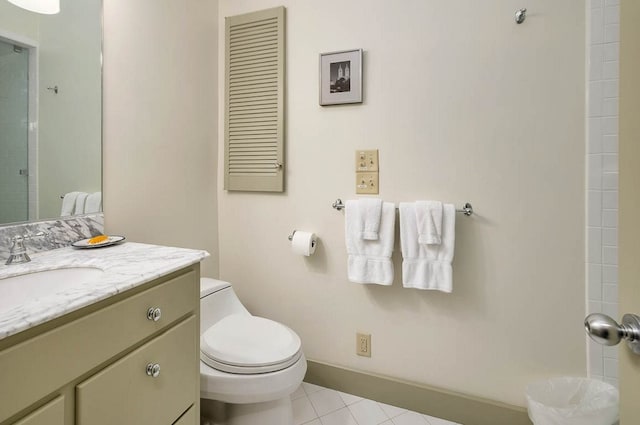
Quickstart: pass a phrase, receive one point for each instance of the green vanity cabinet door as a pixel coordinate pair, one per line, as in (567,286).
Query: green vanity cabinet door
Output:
(124,393)
(51,413)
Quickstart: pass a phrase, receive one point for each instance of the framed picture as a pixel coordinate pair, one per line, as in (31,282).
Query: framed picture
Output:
(341,77)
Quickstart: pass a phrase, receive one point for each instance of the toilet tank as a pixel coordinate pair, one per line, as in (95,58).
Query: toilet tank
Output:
(217,300)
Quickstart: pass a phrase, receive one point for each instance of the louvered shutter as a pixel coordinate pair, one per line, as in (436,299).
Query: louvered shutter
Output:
(254,94)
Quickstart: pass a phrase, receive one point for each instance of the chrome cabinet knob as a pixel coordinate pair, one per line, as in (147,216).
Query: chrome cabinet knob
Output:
(154,314)
(606,331)
(153,370)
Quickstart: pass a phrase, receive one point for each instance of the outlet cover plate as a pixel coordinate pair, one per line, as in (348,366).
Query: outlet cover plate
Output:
(363,344)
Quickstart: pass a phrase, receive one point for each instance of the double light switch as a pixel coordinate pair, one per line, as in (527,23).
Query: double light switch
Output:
(367,172)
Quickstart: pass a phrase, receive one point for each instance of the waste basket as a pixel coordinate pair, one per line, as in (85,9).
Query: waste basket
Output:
(572,401)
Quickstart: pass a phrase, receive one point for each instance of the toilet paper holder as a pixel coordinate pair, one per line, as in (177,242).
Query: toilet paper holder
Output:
(290,237)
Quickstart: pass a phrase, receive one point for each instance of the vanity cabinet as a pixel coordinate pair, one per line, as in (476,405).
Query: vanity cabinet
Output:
(96,365)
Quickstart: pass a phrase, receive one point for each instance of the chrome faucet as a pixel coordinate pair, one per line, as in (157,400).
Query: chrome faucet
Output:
(18,252)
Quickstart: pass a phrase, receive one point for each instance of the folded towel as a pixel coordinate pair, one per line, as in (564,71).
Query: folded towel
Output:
(68,203)
(80,201)
(427,266)
(369,261)
(429,220)
(372,212)
(93,203)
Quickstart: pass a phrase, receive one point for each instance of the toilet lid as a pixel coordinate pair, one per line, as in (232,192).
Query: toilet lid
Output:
(249,344)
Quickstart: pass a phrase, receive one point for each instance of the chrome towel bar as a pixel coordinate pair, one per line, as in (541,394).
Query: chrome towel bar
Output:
(467,209)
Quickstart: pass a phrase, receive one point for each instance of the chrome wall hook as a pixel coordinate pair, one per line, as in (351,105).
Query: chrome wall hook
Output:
(53,89)
(521,15)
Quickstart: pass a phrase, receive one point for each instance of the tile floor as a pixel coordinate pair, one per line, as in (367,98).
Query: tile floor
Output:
(315,405)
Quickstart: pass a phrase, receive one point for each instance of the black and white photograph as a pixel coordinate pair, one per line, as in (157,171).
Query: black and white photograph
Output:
(341,77)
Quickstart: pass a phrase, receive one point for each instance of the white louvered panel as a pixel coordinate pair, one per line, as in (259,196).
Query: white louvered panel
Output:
(254,103)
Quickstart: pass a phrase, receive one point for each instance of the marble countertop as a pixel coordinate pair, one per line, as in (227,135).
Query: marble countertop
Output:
(125,266)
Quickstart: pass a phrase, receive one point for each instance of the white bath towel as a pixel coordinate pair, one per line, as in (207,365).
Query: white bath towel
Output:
(427,266)
(371,209)
(429,220)
(68,203)
(93,203)
(80,201)
(369,261)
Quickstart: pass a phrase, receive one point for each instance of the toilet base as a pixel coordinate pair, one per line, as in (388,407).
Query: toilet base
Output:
(276,412)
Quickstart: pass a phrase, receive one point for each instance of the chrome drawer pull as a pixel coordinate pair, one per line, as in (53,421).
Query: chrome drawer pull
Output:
(153,370)
(154,314)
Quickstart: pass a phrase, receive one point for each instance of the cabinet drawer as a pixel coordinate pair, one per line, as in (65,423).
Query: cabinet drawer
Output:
(124,393)
(37,367)
(51,413)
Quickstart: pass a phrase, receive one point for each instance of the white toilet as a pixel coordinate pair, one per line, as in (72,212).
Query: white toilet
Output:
(249,365)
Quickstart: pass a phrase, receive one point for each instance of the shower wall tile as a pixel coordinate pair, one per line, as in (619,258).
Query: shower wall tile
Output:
(610,145)
(602,177)
(610,219)
(611,52)
(611,70)
(610,274)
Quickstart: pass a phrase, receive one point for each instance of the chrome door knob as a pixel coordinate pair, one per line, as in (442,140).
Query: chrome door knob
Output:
(606,331)
(153,370)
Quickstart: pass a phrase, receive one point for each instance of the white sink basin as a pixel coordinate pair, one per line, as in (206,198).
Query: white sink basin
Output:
(17,290)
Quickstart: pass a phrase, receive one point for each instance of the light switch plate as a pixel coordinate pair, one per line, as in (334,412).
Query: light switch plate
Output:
(367,183)
(367,160)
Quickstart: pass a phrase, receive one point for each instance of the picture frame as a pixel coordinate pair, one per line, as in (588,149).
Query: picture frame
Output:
(341,77)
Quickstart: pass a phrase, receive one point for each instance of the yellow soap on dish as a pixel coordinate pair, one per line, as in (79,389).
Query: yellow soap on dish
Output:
(98,239)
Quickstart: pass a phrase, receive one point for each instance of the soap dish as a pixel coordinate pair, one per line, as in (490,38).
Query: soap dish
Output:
(84,243)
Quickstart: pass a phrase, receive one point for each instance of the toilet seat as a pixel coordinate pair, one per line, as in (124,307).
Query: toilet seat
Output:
(243,344)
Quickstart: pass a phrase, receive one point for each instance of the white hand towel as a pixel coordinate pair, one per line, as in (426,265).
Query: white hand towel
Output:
(369,261)
(80,201)
(93,203)
(68,203)
(372,211)
(429,220)
(427,266)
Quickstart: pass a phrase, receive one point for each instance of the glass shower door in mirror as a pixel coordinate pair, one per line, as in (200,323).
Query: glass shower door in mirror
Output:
(14,133)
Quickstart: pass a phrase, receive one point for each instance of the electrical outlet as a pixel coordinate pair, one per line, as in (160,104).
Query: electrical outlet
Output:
(363,344)
(367,183)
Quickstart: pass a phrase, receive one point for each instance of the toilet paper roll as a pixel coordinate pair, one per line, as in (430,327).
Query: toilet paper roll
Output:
(304,243)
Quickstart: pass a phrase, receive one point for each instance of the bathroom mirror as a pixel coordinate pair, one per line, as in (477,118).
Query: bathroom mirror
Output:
(50,109)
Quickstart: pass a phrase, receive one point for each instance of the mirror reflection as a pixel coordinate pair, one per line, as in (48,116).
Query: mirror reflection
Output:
(50,111)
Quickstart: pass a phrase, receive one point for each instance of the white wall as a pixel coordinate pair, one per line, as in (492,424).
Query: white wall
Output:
(602,181)
(18,21)
(159,123)
(464,105)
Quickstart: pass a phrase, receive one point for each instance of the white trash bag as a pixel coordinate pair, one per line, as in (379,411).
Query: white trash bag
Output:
(572,401)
